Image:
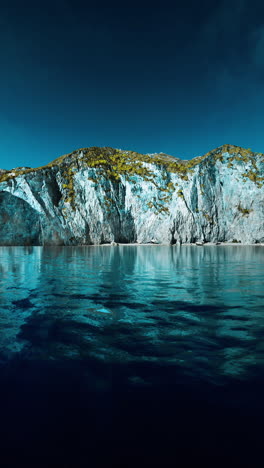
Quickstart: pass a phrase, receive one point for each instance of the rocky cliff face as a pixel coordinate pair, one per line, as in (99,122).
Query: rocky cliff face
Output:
(100,195)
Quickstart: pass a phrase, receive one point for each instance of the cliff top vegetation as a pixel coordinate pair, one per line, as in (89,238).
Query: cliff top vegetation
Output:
(114,162)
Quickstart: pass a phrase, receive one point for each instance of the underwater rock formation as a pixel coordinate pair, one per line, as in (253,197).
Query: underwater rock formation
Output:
(103,195)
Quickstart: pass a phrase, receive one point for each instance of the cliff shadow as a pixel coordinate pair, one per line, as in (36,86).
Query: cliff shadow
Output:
(19,222)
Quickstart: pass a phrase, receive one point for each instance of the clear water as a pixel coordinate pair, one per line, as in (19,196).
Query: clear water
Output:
(147,351)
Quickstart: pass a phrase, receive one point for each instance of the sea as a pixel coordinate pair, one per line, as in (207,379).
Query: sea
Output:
(132,356)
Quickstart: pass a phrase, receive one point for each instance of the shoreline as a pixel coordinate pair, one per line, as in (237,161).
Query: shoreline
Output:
(136,244)
(207,244)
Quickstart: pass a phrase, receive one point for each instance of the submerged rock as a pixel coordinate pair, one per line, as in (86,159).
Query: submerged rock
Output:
(103,196)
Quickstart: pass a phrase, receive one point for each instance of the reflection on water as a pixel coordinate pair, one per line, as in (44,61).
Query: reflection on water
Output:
(196,311)
(131,356)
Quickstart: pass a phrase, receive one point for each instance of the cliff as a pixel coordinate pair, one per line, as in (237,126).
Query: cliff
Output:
(99,195)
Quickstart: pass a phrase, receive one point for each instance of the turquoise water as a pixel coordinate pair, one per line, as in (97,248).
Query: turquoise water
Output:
(117,340)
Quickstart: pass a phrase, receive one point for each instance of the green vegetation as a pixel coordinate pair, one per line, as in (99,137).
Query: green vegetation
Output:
(112,165)
(238,154)
(241,155)
(202,188)
(208,218)
(115,163)
(254,177)
(244,211)
(69,186)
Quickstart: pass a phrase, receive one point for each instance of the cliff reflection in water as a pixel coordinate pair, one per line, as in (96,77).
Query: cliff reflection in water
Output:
(196,310)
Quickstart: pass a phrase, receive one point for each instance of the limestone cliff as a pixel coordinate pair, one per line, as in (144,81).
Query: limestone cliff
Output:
(99,195)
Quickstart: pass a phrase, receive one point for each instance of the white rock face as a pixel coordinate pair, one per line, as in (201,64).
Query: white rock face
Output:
(220,199)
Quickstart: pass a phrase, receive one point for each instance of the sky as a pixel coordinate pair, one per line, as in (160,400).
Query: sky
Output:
(175,77)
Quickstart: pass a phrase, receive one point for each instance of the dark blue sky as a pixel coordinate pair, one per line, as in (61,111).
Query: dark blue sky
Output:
(178,77)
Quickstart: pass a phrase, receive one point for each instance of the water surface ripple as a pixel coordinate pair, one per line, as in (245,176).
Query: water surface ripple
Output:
(197,311)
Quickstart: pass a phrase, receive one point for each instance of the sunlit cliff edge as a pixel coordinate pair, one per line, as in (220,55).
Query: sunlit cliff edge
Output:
(100,195)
